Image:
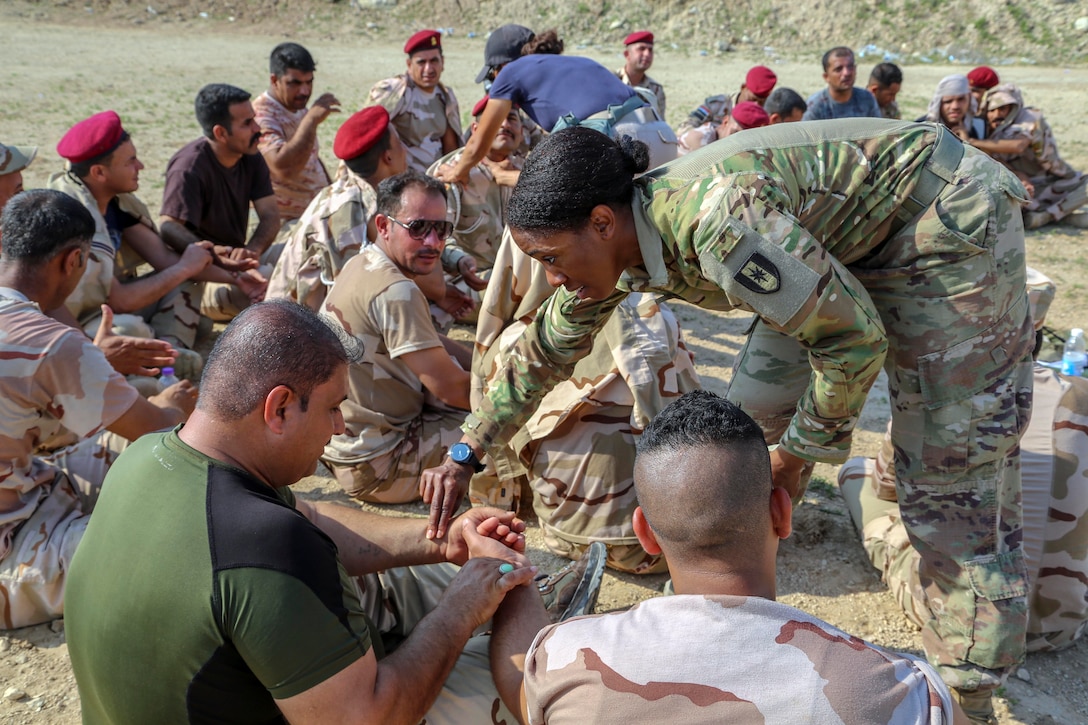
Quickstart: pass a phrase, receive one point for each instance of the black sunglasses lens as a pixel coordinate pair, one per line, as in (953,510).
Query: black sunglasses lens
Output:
(420,228)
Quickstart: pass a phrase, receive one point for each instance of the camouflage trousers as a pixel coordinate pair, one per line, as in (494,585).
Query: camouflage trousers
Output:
(1055,199)
(34,563)
(396,600)
(1055,505)
(222,302)
(394,476)
(950,291)
(582,479)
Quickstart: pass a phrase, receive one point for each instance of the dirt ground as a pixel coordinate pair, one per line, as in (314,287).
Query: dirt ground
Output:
(57,75)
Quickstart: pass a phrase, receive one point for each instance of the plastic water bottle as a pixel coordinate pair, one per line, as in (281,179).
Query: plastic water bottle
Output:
(168,378)
(1074,357)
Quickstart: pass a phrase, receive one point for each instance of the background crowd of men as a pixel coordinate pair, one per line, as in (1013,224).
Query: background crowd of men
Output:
(96,297)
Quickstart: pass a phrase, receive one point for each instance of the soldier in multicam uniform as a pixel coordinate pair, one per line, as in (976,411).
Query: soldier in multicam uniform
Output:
(859,244)
(638,53)
(411,391)
(339,221)
(103,174)
(1020,138)
(13,159)
(707,501)
(66,413)
(1054,455)
(575,451)
(289,130)
(424,111)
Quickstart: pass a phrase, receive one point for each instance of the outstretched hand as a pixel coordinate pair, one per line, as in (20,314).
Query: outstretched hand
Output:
(132,355)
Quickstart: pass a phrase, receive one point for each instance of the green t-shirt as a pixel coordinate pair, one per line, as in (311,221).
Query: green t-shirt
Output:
(199,594)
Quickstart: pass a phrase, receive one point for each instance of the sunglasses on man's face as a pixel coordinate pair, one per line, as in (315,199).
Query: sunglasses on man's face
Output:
(418,229)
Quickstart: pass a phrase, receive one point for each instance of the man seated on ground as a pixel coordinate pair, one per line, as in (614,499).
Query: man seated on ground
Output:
(103,174)
(1019,137)
(706,501)
(638,56)
(884,83)
(340,220)
(66,413)
(478,208)
(953,106)
(277,606)
(733,119)
(411,391)
(758,84)
(982,79)
(424,111)
(784,105)
(289,130)
(13,159)
(1054,458)
(575,453)
(210,184)
(841,99)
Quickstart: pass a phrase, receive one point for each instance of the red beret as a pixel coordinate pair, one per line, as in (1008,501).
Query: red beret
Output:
(423,40)
(639,36)
(359,133)
(750,115)
(91,137)
(983,77)
(479,107)
(760,80)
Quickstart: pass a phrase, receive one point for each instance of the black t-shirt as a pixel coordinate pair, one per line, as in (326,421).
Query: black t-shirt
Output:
(117,221)
(211,199)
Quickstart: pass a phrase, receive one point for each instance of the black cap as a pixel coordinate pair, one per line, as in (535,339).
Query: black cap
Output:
(504,46)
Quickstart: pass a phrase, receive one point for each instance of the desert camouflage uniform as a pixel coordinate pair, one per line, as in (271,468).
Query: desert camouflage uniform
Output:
(1059,190)
(706,659)
(1054,456)
(700,128)
(395,427)
(813,228)
(330,232)
(278,126)
(649,84)
(174,318)
(59,394)
(578,447)
(420,118)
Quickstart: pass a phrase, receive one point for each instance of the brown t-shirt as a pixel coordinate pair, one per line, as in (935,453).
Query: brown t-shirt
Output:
(211,199)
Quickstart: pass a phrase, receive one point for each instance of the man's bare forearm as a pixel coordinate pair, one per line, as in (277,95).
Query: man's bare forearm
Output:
(175,234)
(514,627)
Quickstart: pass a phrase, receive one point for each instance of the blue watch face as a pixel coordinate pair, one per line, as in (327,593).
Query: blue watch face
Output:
(460,452)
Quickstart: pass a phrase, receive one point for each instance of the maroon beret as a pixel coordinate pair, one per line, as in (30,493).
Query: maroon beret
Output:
(760,80)
(359,133)
(750,115)
(639,36)
(423,40)
(91,137)
(983,77)
(479,107)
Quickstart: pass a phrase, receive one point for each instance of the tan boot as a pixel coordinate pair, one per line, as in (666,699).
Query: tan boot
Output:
(978,705)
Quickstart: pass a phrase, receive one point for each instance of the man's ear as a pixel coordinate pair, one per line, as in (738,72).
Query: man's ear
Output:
(73,259)
(644,533)
(781,512)
(276,405)
(219,133)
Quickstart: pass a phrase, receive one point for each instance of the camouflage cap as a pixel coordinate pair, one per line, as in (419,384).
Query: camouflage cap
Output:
(15,158)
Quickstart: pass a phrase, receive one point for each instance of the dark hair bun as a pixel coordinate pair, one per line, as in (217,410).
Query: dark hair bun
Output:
(636,154)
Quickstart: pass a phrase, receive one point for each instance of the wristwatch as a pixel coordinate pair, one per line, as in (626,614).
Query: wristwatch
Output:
(462,453)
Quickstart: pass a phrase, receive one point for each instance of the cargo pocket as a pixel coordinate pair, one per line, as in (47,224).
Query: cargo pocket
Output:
(1000,584)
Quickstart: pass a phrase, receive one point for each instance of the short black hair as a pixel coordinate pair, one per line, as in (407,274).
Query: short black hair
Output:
(272,343)
(783,101)
(568,174)
(39,224)
(81,169)
(290,55)
(366,163)
(391,190)
(838,50)
(886,74)
(213,103)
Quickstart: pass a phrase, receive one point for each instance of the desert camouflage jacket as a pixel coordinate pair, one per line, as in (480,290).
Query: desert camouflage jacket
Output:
(420,118)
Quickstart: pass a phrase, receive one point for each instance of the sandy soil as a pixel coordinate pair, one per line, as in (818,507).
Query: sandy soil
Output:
(56,75)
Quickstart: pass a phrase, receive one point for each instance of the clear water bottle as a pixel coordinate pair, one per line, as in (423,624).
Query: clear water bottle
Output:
(168,378)
(1074,357)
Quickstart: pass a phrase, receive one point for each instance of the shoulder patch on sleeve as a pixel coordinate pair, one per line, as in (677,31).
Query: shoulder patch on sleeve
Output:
(762,274)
